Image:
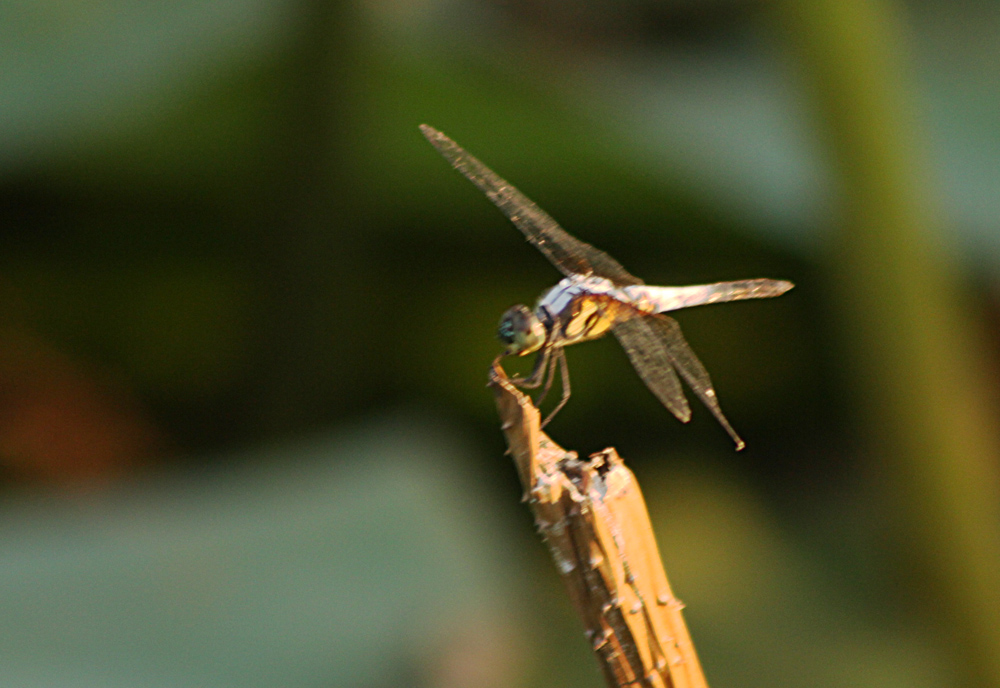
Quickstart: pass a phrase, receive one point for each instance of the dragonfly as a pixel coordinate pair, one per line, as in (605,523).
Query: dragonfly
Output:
(595,296)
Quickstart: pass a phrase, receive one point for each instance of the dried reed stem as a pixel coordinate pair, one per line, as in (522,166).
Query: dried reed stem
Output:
(592,516)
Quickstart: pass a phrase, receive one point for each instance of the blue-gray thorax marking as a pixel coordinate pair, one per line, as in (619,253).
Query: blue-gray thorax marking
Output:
(581,308)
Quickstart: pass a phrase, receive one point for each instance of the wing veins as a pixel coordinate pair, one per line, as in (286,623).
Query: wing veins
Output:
(570,255)
(690,367)
(654,364)
(656,347)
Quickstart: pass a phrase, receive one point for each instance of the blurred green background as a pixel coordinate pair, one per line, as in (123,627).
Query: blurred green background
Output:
(246,315)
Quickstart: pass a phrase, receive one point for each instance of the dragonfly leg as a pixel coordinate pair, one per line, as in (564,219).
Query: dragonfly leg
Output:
(537,373)
(560,360)
(548,379)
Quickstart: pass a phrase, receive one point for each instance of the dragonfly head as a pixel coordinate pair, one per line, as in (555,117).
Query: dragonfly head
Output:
(521,331)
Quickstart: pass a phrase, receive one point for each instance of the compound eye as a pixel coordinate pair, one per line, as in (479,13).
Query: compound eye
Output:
(505,332)
(519,330)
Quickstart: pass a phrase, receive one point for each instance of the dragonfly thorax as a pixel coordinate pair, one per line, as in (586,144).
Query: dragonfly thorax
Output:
(520,331)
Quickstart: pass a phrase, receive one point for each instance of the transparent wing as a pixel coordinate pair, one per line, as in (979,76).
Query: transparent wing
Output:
(652,361)
(571,256)
(654,342)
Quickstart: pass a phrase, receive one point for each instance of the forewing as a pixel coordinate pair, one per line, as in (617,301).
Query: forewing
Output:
(570,255)
(652,360)
(668,332)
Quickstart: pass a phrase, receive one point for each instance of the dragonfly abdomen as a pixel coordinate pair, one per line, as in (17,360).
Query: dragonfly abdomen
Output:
(664,299)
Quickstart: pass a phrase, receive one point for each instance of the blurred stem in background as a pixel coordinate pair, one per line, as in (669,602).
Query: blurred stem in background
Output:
(912,340)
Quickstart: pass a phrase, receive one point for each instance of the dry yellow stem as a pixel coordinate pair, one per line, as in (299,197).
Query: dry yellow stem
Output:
(592,516)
